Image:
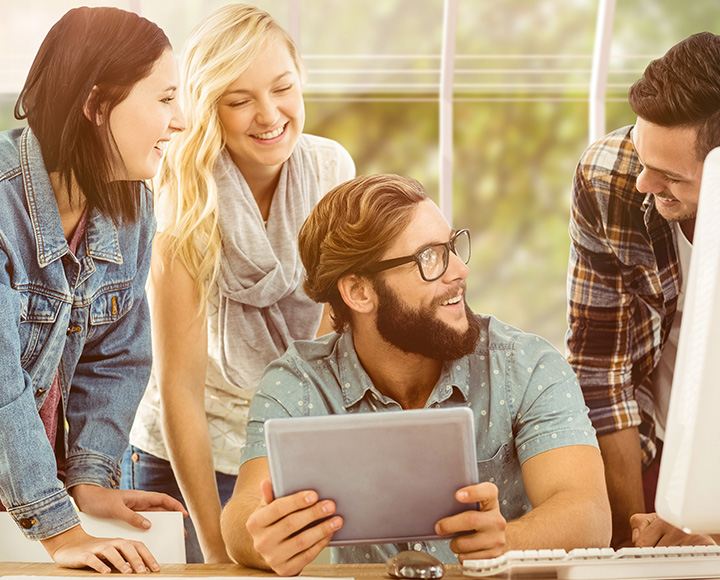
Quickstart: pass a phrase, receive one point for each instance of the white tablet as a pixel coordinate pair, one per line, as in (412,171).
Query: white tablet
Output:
(392,475)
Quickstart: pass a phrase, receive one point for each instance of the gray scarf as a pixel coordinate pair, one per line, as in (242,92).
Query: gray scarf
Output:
(262,307)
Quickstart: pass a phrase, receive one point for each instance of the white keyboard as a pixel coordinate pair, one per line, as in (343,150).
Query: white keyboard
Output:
(670,563)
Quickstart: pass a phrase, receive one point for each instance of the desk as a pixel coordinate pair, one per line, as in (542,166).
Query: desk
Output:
(358,571)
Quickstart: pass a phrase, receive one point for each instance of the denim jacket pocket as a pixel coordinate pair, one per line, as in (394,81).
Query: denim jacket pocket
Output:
(37,317)
(111,305)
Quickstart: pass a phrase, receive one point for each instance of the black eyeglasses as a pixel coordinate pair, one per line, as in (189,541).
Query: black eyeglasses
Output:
(433,260)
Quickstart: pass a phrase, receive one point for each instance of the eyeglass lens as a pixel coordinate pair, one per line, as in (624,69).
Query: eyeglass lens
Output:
(434,260)
(461,245)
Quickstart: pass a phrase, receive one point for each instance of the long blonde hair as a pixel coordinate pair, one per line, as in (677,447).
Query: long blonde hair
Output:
(217,52)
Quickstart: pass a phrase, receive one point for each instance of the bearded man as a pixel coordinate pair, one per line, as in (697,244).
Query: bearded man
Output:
(393,271)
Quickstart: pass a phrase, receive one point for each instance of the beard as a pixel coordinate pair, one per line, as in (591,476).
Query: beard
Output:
(420,331)
(680,214)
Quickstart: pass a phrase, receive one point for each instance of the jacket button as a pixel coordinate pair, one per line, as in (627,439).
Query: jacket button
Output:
(40,392)
(72,329)
(27,523)
(135,457)
(113,481)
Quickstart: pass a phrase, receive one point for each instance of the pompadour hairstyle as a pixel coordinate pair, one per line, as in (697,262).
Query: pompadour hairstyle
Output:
(350,229)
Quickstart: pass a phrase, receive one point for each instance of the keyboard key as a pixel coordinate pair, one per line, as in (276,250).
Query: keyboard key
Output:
(664,562)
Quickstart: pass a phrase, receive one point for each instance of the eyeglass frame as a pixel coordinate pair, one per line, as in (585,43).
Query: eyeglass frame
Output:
(383,265)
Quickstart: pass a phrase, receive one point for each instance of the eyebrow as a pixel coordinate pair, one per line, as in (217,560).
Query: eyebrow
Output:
(245,91)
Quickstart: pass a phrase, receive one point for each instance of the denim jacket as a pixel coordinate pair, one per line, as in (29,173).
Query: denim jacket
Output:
(84,316)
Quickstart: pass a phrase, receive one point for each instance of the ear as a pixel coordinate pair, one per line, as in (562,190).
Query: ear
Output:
(357,292)
(86,108)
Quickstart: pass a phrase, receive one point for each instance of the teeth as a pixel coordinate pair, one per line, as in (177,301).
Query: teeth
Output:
(270,135)
(162,145)
(452,300)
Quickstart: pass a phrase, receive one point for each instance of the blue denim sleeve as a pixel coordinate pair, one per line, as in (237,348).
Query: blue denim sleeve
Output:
(29,487)
(108,383)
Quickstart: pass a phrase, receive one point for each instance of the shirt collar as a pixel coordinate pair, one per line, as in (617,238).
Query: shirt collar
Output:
(101,234)
(355,382)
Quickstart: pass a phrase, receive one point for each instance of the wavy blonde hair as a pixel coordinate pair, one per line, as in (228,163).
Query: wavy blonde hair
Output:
(219,49)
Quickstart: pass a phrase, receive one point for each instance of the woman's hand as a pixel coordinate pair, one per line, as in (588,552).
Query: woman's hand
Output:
(121,504)
(76,549)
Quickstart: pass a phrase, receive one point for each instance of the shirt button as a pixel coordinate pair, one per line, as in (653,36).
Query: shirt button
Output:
(40,392)
(417,547)
(27,523)
(135,457)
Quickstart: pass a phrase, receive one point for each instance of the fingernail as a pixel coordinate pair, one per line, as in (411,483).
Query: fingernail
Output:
(155,566)
(328,508)
(310,498)
(335,523)
(146,524)
(461,495)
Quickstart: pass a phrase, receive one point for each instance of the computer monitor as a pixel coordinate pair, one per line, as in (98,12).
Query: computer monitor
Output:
(688,494)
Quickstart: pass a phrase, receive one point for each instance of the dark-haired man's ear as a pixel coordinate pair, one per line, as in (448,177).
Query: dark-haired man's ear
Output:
(357,292)
(86,108)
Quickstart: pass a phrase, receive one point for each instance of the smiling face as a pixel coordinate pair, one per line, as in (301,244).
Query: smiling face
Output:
(262,112)
(144,121)
(671,171)
(427,318)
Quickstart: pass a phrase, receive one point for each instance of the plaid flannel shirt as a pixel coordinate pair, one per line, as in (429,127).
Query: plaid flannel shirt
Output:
(623,281)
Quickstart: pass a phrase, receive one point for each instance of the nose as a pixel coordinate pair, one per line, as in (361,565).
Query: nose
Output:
(267,112)
(649,182)
(177,122)
(457,269)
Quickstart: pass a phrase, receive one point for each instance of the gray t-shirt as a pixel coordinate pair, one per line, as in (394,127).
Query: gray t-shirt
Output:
(524,396)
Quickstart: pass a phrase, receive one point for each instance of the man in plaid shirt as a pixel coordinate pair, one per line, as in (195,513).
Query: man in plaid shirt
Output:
(635,196)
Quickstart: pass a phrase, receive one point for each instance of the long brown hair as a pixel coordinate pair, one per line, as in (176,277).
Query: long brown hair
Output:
(91,57)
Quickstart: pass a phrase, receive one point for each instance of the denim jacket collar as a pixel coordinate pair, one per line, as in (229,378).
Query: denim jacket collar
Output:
(101,236)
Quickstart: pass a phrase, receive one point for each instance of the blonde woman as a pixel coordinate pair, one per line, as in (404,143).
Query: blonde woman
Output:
(226,278)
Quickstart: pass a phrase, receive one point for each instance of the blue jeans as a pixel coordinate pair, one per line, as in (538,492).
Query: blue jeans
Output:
(150,473)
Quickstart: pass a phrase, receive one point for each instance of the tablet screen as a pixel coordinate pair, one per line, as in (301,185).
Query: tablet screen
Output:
(392,475)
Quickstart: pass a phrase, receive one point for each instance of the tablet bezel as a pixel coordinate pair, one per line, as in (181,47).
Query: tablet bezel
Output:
(337,455)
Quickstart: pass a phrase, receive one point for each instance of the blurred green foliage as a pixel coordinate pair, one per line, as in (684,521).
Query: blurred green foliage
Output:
(520,115)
